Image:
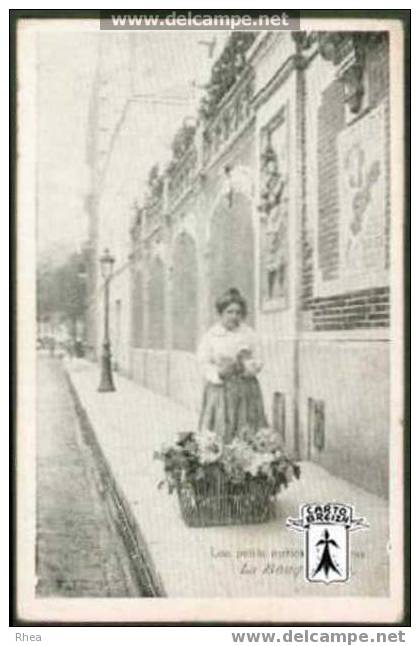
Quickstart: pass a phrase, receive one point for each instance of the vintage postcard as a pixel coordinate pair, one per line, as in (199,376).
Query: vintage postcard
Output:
(210,235)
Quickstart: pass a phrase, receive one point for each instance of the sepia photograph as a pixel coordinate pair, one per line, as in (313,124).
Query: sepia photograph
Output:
(210,278)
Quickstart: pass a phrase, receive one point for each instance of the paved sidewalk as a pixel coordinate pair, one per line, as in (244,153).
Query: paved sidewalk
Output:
(241,561)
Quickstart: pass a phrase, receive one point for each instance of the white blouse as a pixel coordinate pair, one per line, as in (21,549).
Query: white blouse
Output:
(220,343)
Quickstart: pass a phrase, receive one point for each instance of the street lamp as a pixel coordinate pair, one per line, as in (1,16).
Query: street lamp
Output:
(107,383)
(81,337)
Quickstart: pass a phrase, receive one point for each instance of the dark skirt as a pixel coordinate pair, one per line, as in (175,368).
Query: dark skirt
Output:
(231,407)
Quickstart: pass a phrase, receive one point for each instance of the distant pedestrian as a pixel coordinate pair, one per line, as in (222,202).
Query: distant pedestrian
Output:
(78,348)
(52,346)
(70,349)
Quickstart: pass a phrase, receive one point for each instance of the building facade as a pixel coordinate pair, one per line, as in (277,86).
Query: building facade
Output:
(282,191)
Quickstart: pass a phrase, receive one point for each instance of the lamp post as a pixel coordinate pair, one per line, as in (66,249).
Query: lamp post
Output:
(80,344)
(107,384)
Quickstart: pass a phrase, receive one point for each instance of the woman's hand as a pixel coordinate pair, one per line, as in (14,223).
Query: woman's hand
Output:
(251,367)
(227,367)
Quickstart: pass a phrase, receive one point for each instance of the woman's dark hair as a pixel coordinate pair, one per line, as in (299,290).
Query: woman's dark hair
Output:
(232,295)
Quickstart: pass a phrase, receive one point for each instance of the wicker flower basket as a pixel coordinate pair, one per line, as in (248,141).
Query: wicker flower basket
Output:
(226,484)
(224,504)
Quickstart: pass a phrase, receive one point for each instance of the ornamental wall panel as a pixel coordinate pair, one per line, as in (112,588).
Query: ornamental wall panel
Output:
(274,208)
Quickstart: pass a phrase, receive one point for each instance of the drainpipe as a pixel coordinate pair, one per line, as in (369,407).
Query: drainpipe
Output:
(299,224)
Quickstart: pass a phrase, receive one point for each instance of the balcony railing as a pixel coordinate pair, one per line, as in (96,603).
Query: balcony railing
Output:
(182,176)
(233,112)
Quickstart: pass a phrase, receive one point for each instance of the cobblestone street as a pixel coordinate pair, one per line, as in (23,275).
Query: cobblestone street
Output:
(78,552)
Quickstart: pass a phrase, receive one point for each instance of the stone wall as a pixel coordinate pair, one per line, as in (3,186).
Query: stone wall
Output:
(286,196)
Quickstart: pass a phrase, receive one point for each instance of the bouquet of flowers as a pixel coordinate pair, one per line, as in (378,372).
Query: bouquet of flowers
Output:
(226,483)
(242,365)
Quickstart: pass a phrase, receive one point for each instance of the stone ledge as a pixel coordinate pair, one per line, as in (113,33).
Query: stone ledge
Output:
(124,522)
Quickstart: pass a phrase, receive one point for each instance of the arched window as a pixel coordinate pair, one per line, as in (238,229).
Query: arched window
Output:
(184,294)
(232,250)
(156,336)
(137,311)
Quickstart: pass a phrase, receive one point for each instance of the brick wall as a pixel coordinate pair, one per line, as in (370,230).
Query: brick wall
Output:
(359,309)
(331,120)
(362,309)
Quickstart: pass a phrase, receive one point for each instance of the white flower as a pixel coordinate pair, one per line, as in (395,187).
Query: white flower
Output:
(209,447)
(210,454)
(253,470)
(267,440)
(261,462)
